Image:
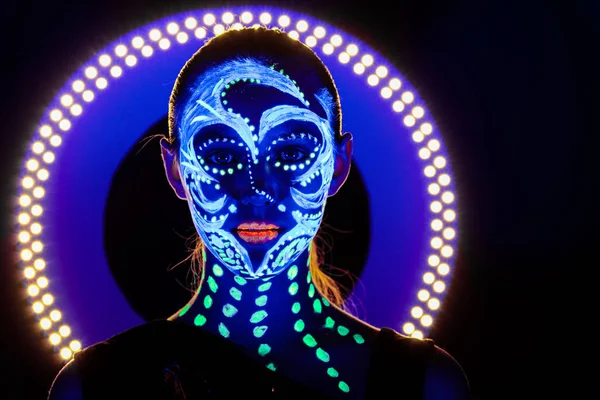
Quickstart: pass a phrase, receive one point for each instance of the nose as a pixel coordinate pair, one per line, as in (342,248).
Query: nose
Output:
(257,198)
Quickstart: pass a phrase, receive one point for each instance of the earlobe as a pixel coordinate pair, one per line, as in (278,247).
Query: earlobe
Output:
(172,169)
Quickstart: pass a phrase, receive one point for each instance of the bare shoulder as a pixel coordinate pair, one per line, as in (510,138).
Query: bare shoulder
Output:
(445,378)
(67,384)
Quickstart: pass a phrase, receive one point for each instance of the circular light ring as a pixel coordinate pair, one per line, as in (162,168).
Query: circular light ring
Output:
(327,42)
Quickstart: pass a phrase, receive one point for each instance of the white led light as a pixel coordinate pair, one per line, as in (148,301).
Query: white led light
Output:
(64,124)
(54,338)
(76,110)
(209,19)
(66,353)
(246,17)
(373,80)
(418,112)
(336,40)
(91,72)
(265,18)
(147,51)
(55,115)
(302,25)
(429,170)
(283,21)
(55,315)
(444,179)
(172,28)
(359,68)
(78,86)
(37,209)
(423,295)
(426,320)
(23,218)
(433,303)
(417,334)
(227,17)
(88,95)
(352,49)
(426,128)
(439,286)
(449,215)
(408,328)
(381,71)
(395,83)
(294,35)
(75,345)
(443,269)
(447,251)
(319,32)
(398,106)
(200,33)
(131,60)
(310,41)
(32,290)
(47,299)
(45,323)
(409,120)
(64,331)
(386,92)
(439,162)
(424,153)
(344,57)
(433,189)
(437,225)
(328,48)
(437,242)
(66,100)
(24,200)
(137,42)
(449,233)
(237,26)
(29,274)
(24,237)
(104,60)
(418,137)
(429,278)
(101,83)
(27,182)
(38,307)
(408,97)
(55,140)
(367,60)
(120,50)
(434,145)
(32,164)
(416,312)
(448,197)
(190,23)
(36,228)
(48,158)
(218,29)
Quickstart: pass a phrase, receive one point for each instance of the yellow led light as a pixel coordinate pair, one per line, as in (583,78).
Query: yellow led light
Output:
(283,21)
(439,286)
(64,330)
(265,18)
(190,23)
(66,353)
(172,28)
(45,323)
(55,315)
(75,345)
(54,338)
(416,312)
(423,295)
(408,328)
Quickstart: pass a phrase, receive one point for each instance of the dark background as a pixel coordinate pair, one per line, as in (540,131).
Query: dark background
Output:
(512,85)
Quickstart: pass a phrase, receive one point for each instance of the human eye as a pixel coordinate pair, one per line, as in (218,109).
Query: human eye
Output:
(291,154)
(221,157)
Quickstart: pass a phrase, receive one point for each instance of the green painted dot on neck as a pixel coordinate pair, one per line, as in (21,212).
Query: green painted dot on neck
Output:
(293,288)
(184,310)
(359,339)
(223,330)
(329,322)
(311,291)
(332,372)
(344,387)
(199,320)
(342,330)
(208,301)
(299,326)
(309,340)
(322,355)
(261,300)
(259,331)
(258,316)
(212,284)
(325,301)
(308,277)
(217,270)
(296,308)
(317,306)
(264,287)
(229,310)
(235,293)
(264,349)
(272,367)
(240,280)
(292,272)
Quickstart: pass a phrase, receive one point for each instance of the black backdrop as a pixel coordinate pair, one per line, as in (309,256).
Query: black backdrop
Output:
(513,86)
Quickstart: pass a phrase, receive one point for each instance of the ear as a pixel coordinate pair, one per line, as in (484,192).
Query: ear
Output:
(344,147)
(172,168)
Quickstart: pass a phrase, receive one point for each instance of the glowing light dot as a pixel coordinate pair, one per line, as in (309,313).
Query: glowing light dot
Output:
(418,137)
(54,338)
(147,51)
(416,312)
(424,153)
(423,295)
(319,32)
(131,60)
(408,328)
(429,170)
(66,353)
(398,106)
(55,315)
(246,17)
(310,41)
(352,49)
(418,112)
(417,335)
(24,237)
(78,86)
(434,145)
(218,29)
(45,131)
(428,278)
(33,290)
(36,228)
(359,68)
(408,98)
(23,218)
(447,251)
(190,22)
(443,269)
(64,125)
(200,33)
(47,299)
(209,19)
(66,100)
(172,28)
(49,158)
(24,200)
(426,128)
(45,323)
(88,95)
(336,40)
(448,197)
(433,304)
(64,331)
(426,320)
(436,243)
(76,110)
(367,60)
(154,35)
(433,189)
(121,50)
(386,92)
(449,215)
(344,57)
(409,120)
(381,71)
(439,162)
(395,83)
(40,264)
(55,115)
(227,17)
(137,42)
(101,83)
(38,307)
(91,72)
(284,21)
(42,282)
(42,174)
(182,37)
(328,48)
(294,35)
(436,225)
(32,164)
(449,233)
(433,260)
(27,182)
(265,18)
(373,80)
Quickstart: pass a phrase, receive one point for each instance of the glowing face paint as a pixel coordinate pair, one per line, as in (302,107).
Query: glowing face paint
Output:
(211,205)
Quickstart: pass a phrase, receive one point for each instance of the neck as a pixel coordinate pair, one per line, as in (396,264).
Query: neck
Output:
(257,314)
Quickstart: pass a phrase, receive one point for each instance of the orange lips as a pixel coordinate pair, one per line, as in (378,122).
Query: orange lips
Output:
(257,232)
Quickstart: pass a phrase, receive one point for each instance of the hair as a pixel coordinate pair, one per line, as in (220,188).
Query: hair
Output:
(269,46)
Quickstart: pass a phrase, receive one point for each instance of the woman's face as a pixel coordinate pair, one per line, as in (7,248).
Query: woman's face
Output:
(256,159)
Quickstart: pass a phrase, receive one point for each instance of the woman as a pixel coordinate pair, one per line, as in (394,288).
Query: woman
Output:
(255,147)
